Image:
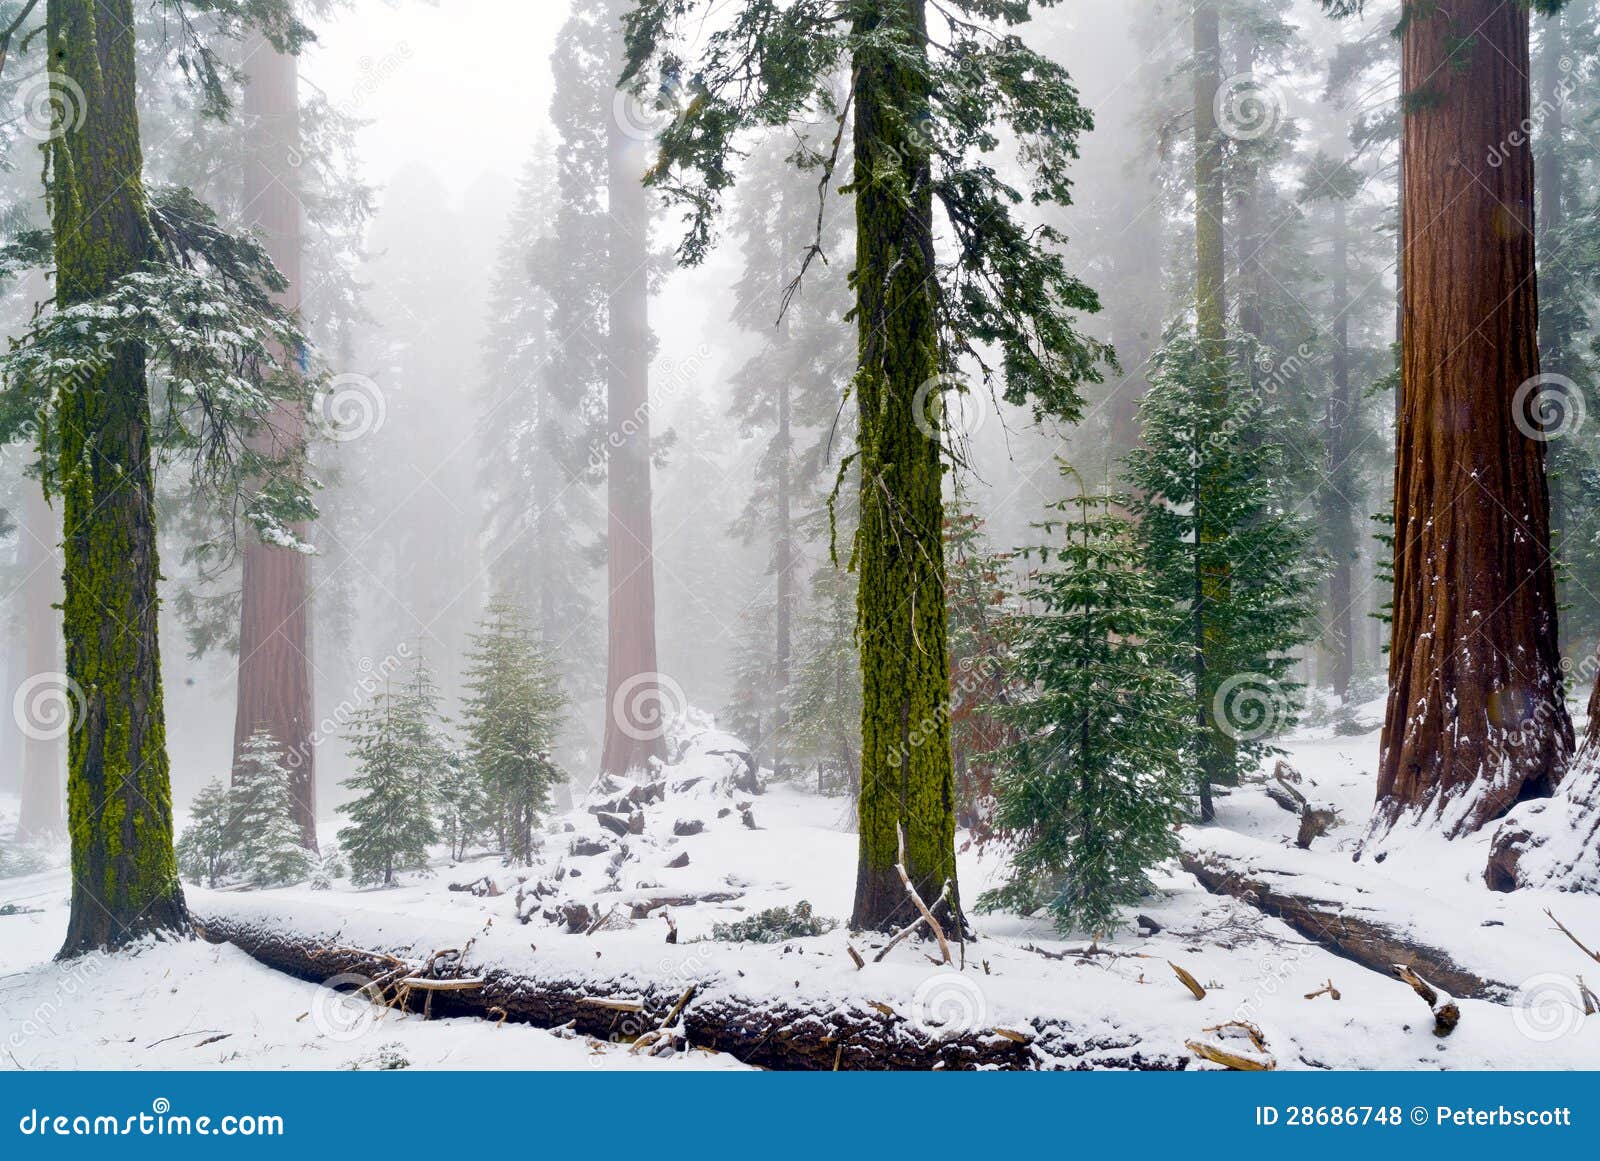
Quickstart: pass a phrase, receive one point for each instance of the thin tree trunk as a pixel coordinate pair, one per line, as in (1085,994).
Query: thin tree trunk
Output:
(274,679)
(40,812)
(1338,513)
(124,873)
(636,703)
(1212,581)
(783,548)
(1476,719)
(908,778)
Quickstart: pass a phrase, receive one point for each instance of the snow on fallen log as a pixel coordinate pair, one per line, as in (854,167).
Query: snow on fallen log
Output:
(1334,916)
(770,1027)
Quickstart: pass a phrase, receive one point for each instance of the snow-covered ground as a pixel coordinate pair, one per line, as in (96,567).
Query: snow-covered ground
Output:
(738,854)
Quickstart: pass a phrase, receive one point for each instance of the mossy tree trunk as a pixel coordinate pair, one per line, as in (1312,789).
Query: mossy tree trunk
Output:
(124,874)
(274,680)
(1211,582)
(907,776)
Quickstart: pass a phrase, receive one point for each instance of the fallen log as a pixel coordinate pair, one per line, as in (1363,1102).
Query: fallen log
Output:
(1338,928)
(764,1030)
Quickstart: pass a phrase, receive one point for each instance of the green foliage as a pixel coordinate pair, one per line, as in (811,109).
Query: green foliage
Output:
(246,833)
(267,850)
(775,925)
(1092,790)
(1221,543)
(398,750)
(461,804)
(207,842)
(511,716)
(774,64)
(203,312)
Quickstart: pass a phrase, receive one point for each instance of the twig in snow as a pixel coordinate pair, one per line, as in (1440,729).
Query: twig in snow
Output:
(938,931)
(1594,955)
(1446,1013)
(1189,981)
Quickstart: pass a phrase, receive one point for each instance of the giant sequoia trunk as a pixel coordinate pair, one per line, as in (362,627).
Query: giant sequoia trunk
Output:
(907,776)
(636,703)
(39,814)
(124,874)
(1475,717)
(274,681)
(1211,581)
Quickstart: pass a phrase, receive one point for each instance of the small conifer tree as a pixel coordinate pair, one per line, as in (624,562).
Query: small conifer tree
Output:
(394,742)
(268,848)
(511,716)
(1092,790)
(1222,542)
(205,847)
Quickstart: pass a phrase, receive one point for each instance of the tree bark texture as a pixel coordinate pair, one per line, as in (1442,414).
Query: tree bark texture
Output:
(1475,718)
(763,1030)
(124,874)
(275,677)
(907,774)
(637,698)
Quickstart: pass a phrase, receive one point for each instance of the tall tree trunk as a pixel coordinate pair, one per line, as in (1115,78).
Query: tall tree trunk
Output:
(274,679)
(636,703)
(1339,516)
(39,816)
(1476,719)
(1211,581)
(124,873)
(783,531)
(784,565)
(907,776)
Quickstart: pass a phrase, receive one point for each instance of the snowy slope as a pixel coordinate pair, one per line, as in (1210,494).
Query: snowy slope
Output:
(749,852)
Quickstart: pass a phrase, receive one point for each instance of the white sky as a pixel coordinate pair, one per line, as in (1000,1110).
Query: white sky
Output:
(463,85)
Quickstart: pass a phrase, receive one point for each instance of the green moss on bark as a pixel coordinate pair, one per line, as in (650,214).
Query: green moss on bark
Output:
(124,874)
(907,776)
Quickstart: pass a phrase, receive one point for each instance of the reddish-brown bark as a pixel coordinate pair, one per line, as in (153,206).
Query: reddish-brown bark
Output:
(636,699)
(1475,716)
(274,682)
